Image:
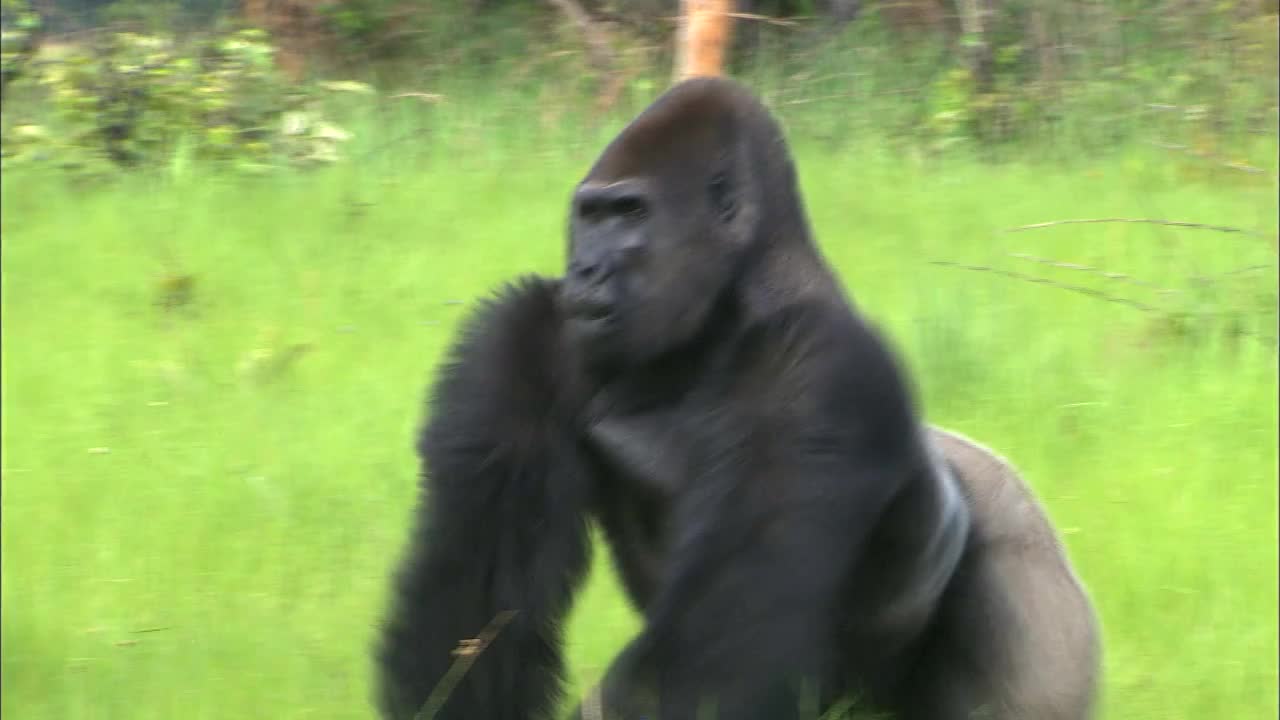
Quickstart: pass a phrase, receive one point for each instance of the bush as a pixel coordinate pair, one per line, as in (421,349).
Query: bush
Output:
(19,35)
(127,100)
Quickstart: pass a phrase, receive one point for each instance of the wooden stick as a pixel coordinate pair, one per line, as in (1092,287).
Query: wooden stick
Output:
(467,652)
(702,38)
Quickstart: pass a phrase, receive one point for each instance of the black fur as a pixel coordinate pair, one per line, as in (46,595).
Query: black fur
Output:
(791,529)
(503,523)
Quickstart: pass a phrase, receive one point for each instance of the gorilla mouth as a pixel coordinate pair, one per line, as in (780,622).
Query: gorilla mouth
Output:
(593,322)
(589,308)
(594,312)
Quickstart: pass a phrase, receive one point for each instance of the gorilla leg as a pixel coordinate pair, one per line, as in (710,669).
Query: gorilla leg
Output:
(746,645)
(1016,635)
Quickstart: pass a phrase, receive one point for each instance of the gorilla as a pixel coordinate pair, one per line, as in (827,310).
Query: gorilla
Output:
(698,384)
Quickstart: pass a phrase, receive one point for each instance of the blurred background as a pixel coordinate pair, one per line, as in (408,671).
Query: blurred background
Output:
(238,236)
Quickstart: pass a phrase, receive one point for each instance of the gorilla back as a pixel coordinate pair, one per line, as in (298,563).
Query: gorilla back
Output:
(698,383)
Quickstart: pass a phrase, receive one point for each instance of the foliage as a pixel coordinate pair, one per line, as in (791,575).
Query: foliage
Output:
(19,30)
(368,25)
(1070,74)
(132,100)
(1104,62)
(151,16)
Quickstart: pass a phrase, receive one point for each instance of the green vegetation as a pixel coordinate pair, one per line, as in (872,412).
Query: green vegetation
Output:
(132,100)
(211,380)
(210,389)
(1064,77)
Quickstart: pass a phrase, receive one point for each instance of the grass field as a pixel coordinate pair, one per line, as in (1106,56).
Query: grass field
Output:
(201,504)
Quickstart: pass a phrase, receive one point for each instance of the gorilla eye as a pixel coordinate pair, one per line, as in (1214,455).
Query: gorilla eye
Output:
(596,206)
(630,207)
(722,197)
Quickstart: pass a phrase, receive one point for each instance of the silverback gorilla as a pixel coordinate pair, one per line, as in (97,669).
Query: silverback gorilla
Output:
(699,384)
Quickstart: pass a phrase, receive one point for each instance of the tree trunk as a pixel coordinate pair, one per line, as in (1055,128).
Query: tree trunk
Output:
(975,40)
(599,52)
(703,37)
(296,28)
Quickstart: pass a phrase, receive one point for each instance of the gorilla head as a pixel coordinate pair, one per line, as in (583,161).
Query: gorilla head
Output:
(672,220)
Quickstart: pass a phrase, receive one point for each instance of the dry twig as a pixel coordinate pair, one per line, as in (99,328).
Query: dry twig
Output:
(1045,281)
(780,22)
(1229,164)
(1148,221)
(1120,277)
(467,652)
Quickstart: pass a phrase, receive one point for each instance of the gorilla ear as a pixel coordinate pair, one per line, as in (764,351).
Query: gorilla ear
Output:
(724,196)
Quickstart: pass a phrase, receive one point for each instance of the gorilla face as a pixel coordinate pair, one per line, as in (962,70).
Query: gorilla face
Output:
(656,234)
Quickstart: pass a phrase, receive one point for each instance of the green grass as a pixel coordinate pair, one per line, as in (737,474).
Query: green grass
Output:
(193,531)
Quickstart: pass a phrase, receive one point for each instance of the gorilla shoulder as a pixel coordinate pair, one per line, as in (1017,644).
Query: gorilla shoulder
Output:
(839,364)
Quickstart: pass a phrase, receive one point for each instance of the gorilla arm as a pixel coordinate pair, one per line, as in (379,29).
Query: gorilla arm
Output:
(501,526)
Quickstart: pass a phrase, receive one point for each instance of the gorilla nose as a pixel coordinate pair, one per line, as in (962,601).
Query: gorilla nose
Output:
(588,269)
